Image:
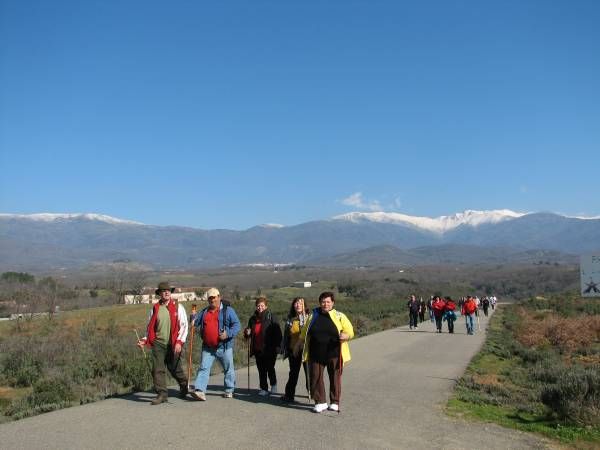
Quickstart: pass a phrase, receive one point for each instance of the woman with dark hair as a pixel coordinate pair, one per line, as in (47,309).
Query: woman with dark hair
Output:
(325,336)
(291,335)
(438,307)
(265,338)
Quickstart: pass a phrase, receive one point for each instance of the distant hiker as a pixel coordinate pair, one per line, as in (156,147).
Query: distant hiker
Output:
(325,336)
(264,333)
(422,309)
(430,309)
(493,302)
(485,302)
(218,324)
(449,314)
(477,303)
(438,307)
(468,310)
(166,334)
(413,311)
(291,336)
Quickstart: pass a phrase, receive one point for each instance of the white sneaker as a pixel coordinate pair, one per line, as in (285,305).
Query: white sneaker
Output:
(333,407)
(198,395)
(273,389)
(320,407)
(263,393)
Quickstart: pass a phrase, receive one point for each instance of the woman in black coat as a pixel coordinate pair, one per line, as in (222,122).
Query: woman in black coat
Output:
(265,341)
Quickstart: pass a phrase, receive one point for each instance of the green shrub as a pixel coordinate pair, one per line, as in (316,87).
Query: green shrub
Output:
(48,394)
(51,391)
(21,369)
(575,396)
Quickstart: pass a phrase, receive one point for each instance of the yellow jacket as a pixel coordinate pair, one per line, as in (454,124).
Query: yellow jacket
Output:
(342,324)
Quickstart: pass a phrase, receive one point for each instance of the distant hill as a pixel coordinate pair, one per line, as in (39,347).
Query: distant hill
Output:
(388,255)
(52,241)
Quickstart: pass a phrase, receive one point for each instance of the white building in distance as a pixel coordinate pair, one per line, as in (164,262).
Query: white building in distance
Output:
(131,299)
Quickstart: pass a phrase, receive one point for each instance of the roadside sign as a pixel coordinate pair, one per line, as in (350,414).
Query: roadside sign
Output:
(590,275)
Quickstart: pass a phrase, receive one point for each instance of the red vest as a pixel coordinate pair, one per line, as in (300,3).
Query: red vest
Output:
(151,332)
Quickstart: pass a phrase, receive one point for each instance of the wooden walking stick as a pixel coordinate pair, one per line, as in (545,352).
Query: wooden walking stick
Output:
(143,351)
(192,318)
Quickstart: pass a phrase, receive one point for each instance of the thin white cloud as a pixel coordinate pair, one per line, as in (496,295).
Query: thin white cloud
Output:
(396,204)
(356,200)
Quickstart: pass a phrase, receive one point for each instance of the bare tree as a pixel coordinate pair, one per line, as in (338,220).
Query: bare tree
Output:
(122,281)
(48,290)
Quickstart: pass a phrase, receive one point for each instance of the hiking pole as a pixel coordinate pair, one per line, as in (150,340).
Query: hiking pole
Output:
(306,378)
(339,383)
(478,324)
(192,318)
(143,351)
(248,345)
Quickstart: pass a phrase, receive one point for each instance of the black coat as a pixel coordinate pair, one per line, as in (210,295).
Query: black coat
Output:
(270,331)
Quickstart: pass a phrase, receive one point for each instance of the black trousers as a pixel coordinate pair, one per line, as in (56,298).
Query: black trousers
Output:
(450,325)
(438,322)
(295,364)
(412,317)
(266,368)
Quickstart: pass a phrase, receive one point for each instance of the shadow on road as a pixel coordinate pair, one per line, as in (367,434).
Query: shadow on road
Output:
(251,396)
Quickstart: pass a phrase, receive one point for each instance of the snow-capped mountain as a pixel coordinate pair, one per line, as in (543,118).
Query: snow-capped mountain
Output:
(50,241)
(51,217)
(440,224)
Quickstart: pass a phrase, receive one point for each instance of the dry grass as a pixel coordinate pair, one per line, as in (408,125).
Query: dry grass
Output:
(487,379)
(566,333)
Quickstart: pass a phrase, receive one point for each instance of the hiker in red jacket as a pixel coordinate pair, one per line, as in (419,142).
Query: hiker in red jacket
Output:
(468,310)
(449,314)
(438,307)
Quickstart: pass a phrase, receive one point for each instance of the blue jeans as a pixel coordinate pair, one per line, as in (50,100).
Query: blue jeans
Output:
(470,323)
(225,357)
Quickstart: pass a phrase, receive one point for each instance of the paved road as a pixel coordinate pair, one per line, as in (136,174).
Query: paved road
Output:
(394,390)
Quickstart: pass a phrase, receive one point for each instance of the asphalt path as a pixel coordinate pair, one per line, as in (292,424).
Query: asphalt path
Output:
(393,394)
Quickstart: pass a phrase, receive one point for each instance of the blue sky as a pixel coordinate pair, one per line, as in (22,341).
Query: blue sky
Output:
(231,114)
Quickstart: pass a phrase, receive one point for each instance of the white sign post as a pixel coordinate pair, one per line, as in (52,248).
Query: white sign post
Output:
(590,275)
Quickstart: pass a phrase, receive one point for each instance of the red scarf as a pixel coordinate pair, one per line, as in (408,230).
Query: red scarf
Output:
(172,307)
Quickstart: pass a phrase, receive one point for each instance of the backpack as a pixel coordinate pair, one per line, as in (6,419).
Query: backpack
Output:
(470,307)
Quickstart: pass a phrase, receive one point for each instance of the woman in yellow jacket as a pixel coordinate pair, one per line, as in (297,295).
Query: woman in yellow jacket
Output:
(325,336)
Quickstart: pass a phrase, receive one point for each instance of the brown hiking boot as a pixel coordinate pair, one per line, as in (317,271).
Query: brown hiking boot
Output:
(160,398)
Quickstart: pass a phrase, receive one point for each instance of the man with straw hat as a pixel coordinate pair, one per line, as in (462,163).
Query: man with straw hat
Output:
(166,334)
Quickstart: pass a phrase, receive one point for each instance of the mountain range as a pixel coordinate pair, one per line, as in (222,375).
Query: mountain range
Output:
(52,241)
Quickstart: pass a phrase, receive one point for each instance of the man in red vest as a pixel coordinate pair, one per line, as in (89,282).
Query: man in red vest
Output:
(166,334)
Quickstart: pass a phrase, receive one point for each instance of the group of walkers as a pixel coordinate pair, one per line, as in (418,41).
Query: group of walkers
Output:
(443,309)
(316,341)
